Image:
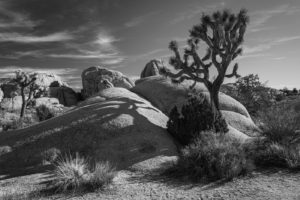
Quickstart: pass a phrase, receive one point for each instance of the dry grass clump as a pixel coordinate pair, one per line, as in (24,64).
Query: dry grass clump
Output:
(281,145)
(211,157)
(76,174)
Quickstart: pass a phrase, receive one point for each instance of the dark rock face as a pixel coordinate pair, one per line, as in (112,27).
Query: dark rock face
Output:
(95,79)
(66,96)
(10,89)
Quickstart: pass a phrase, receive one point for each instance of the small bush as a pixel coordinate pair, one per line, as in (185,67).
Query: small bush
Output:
(271,154)
(76,174)
(101,175)
(5,149)
(44,113)
(280,146)
(50,155)
(196,116)
(280,124)
(211,157)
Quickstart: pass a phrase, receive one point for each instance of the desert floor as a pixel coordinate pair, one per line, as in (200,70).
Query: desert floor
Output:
(139,185)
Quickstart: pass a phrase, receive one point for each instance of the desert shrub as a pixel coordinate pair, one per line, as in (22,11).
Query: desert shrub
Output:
(273,154)
(253,94)
(13,123)
(281,143)
(280,124)
(196,116)
(44,112)
(50,155)
(75,173)
(5,149)
(213,156)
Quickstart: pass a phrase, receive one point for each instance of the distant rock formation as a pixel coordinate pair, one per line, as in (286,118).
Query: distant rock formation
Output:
(95,79)
(46,79)
(125,129)
(66,95)
(152,68)
(43,81)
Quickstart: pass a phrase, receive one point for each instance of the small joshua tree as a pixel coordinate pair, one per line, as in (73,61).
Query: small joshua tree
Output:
(223,33)
(25,80)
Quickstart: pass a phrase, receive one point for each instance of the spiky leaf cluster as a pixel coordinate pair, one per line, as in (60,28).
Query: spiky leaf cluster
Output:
(24,79)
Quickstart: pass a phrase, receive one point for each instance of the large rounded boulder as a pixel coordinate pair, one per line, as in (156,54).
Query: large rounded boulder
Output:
(152,68)
(163,94)
(95,79)
(122,128)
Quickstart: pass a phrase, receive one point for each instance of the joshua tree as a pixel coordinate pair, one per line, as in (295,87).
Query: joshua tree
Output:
(25,80)
(223,33)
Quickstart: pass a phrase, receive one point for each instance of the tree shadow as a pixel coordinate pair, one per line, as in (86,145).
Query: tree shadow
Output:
(85,130)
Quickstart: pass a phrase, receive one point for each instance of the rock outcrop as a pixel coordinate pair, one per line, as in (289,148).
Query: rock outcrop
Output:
(95,79)
(66,96)
(152,68)
(46,79)
(163,94)
(125,129)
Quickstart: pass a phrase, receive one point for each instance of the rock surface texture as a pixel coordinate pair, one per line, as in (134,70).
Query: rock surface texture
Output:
(124,129)
(163,94)
(95,79)
(152,68)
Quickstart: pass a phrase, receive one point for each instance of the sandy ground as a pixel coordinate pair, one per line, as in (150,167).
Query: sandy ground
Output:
(132,185)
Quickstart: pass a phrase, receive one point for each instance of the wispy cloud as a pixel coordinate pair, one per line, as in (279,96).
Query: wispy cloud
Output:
(269,44)
(105,39)
(19,38)
(279,58)
(138,20)
(149,55)
(13,19)
(194,11)
(259,18)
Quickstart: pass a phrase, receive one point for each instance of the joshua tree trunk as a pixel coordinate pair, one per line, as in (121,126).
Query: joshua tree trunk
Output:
(24,103)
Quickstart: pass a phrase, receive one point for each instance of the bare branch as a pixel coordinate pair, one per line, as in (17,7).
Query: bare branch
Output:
(234,72)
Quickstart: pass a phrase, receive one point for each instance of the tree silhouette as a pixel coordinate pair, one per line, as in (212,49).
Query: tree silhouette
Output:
(223,33)
(25,80)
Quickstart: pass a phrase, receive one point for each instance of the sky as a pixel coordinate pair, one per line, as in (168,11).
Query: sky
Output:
(65,37)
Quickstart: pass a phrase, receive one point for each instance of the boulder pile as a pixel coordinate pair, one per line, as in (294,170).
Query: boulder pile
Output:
(95,79)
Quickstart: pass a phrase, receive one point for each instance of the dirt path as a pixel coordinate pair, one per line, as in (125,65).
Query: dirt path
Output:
(144,186)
